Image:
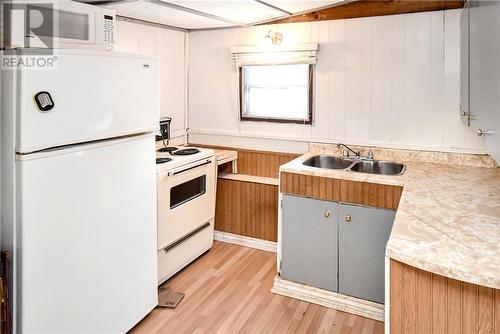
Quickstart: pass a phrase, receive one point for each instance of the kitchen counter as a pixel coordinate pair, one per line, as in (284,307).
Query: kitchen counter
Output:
(224,156)
(448,219)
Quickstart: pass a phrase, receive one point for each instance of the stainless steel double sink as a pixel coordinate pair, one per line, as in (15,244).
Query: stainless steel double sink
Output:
(356,165)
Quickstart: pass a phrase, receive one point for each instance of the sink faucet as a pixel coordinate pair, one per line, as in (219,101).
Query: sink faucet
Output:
(345,152)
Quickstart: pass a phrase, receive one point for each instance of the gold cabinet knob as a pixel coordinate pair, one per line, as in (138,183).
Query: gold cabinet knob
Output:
(327,213)
(348,218)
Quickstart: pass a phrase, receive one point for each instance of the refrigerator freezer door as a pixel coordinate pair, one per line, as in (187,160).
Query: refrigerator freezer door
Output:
(88,237)
(95,95)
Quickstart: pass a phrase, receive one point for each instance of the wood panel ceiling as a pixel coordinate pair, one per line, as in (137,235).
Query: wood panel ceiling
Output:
(364,8)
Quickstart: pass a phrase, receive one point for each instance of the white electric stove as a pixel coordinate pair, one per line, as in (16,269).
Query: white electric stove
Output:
(186,184)
(182,155)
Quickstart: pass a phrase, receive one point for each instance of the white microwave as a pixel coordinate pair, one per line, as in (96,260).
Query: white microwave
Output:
(58,24)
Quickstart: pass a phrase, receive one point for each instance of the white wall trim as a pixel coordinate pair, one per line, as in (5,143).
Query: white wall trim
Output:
(329,299)
(230,238)
(214,135)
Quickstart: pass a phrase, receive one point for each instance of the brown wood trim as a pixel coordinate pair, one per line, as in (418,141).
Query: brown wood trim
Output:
(247,208)
(309,121)
(311,93)
(355,192)
(240,82)
(422,302)
(366,8)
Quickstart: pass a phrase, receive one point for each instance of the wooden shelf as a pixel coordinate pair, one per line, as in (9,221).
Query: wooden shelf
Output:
(250,178)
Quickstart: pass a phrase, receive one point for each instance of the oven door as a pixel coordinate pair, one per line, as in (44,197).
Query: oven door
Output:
(186,200)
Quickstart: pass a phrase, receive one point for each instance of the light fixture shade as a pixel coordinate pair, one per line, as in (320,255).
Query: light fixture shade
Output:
(275,37)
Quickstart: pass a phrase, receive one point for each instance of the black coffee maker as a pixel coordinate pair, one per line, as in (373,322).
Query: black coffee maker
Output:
(164,134)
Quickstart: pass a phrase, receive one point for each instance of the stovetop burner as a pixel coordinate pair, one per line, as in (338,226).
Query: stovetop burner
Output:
(162,160)
(186,151)
(167,149)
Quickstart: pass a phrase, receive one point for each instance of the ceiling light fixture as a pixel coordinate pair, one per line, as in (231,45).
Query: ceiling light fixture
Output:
(275,37)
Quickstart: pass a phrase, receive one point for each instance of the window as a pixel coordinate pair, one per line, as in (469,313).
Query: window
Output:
(276,93)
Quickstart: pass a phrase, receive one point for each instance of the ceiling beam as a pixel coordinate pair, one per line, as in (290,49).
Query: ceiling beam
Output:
(364,8)
(273,7)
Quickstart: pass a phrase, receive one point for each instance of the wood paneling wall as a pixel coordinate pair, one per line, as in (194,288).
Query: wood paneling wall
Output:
(365,8)
(261,163)
(257,163)
(250,208)
(362,193)
(422,302)
(247,208)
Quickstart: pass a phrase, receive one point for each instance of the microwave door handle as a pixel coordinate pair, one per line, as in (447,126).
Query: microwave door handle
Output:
(176,172)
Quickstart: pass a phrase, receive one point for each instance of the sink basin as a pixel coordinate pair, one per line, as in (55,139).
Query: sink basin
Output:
(327,161)
(378,167)
(360,166)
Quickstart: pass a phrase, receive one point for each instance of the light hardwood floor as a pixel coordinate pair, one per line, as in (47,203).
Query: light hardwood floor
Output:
(228,291)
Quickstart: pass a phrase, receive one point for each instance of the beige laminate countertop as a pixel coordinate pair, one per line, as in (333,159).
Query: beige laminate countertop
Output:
(448,219)
(224,156)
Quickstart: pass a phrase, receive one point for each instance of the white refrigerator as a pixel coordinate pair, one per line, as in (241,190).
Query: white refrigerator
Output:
(79,192)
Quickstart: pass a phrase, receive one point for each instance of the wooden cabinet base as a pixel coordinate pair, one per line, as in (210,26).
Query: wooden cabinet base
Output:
(235,239)
(329,299)
(422,302)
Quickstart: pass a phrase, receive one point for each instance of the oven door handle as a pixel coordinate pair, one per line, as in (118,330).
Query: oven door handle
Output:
(189,167)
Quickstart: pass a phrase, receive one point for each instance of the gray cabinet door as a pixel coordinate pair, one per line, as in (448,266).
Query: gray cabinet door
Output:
(309,242)
(362,242)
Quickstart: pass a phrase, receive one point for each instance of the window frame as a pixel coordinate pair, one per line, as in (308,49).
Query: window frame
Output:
(310,92)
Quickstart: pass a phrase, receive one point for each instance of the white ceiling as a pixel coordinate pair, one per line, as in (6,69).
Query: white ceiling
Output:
(205,14)
(153,12)
(241,11)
